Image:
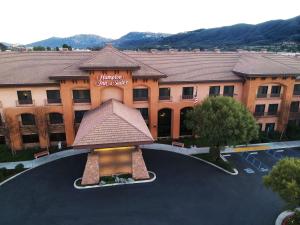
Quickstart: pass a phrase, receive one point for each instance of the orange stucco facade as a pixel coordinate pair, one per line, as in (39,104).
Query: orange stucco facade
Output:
(99,91)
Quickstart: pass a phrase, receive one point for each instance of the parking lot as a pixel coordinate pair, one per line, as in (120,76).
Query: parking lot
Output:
(259,162)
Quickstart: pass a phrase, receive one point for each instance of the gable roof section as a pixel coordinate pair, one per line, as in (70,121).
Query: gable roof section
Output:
(109,58)
(113,124)
(266,65)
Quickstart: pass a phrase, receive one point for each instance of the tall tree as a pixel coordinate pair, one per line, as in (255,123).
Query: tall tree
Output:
(222,121)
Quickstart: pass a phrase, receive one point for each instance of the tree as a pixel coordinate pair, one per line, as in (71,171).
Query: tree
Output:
(222,121)
(67,46)
(3,47)
(48,48)
(284,179)
(39,48)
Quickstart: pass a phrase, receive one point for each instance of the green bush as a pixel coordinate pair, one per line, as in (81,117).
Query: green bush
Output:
(294,220)
(293,132)
(19,167)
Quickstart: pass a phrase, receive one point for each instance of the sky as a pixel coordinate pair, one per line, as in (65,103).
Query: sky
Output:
(27,21)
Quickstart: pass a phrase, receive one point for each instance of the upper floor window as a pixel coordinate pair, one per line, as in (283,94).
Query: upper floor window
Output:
(228,91)
(140,94)
(273,108)
(27,119)
(187,92)
(53,96)
(214,90)
(259,110)
(56,118)
(294,107)
(297,89)
(79,115)
(262,92)
(24,97)
(164,93)
(81,96)
(275,91)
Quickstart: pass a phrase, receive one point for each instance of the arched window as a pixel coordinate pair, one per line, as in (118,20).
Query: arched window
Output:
(27,119)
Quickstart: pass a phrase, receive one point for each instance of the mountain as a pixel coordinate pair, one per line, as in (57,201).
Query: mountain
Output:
(238,35)
(3,47)
(283,34)
(77,41)
(138,39)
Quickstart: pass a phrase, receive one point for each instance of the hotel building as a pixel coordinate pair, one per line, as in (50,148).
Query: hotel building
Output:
(44,95)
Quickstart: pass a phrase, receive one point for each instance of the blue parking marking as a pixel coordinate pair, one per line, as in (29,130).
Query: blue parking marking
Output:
(276,154)
(257,164)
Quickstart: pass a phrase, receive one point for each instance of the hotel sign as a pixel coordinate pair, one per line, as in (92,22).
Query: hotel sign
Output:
(111,80)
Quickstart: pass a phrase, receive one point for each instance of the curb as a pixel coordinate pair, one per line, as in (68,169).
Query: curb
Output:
(115,184)
(236,172)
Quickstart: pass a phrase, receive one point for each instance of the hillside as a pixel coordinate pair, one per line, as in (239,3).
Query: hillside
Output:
(77,41)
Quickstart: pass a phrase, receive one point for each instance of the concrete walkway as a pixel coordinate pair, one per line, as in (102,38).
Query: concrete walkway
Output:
(156,146)
(44,159)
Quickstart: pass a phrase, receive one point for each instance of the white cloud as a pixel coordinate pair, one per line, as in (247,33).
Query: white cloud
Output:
(32,20)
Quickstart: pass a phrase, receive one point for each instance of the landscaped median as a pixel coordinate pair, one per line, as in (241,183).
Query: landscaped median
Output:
(115,180)
(221,163)
(7,173)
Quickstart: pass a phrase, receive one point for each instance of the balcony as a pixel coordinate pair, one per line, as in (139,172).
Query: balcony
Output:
(272,95)
(82,100)
(266,114)
(56,128)
(187,97)
(28,129)
(140,98)
(294,115)
(165,98)
(25,102)
(54,101)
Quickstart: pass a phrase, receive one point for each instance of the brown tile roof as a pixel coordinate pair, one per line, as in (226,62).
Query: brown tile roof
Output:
(266,64)
(35,68)
(110,125)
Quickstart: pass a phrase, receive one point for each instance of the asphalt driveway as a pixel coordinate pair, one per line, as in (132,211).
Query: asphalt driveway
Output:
(185,192)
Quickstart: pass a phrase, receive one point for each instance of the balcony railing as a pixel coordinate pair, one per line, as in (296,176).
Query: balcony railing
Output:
(294,115)
(296,93)
(81,100)
(272,95)
(266,114)
(24,102)
(165,97)
(140,98)
(53,101)
(187,97)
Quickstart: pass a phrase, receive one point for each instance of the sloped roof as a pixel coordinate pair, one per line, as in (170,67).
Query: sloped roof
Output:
(109,58)
(112,124)
(266,64)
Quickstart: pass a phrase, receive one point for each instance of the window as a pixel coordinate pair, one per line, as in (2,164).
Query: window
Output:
(30,138)
(272,109)
(164,93)
(27,119)
(140,94)
(57,137)
(24,97)
(297,89)
(275,91)
(259,110)
(79,115)
(145,113)
(1,121)
(56,118)
(2,140)
(270,127)
(214,90)
(228,91)
(53,96)
(294,107)
(262,92)
(187,92)
(81,96)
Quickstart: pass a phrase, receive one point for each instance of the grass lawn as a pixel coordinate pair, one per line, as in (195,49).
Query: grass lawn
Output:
(5,173)
(220,162)
(6,154)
